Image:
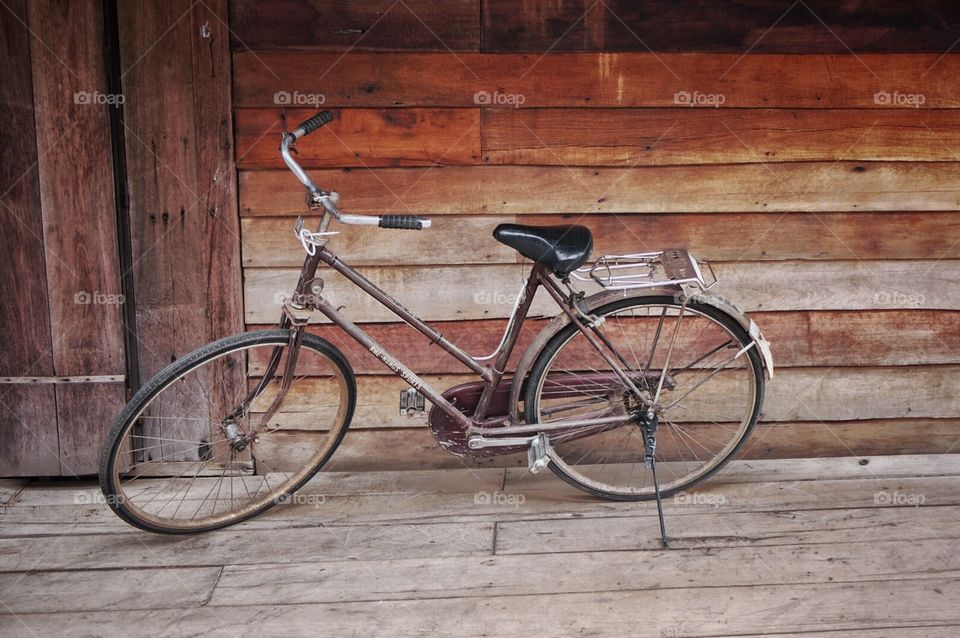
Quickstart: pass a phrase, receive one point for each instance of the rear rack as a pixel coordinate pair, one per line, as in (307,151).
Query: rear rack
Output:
(673,266)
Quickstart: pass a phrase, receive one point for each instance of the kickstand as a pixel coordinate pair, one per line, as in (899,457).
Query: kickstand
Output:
(656,488)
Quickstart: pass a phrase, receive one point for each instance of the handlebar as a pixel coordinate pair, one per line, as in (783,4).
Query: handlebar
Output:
(328,200)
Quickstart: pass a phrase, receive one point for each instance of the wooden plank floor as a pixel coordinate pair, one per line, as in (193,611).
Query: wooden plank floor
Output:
(861,547)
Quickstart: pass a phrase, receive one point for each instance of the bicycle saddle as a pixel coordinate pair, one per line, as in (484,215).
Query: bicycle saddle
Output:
(561,248)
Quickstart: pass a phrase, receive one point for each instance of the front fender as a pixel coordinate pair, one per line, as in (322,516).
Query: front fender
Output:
(606,296)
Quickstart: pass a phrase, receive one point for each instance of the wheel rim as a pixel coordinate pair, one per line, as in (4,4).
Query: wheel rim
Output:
(710,411)
(173,465)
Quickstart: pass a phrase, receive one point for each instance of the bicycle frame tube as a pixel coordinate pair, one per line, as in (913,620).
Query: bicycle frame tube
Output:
(491,375)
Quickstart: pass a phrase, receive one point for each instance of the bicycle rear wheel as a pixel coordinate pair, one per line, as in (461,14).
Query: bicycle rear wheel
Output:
(708,404)
(211,440)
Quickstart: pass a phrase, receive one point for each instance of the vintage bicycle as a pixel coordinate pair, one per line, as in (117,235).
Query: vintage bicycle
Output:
(643,388)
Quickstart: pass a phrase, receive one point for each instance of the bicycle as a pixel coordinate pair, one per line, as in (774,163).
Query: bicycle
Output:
(612,395)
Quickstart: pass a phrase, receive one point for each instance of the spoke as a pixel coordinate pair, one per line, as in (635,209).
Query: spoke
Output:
(674,373)
(710,376)
(656,338)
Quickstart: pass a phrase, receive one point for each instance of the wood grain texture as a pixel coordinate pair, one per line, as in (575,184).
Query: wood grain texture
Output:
(816,26)
(609,571)
(414,448)
(79,217)
(643,137)
(758,80)
(794,394)
(742,610)
(361,137)
(508,190)
(799,338)
(28,417)
(358,25)
(179,147)
(484,292)
(270,242)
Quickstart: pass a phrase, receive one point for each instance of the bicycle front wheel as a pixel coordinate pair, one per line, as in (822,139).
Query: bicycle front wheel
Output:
(707,402)
(225,433)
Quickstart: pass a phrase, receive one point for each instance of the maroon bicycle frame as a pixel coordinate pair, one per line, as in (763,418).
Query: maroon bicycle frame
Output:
(491,375)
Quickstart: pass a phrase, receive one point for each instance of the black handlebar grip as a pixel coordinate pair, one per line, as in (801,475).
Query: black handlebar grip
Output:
(406,222)
(315,122)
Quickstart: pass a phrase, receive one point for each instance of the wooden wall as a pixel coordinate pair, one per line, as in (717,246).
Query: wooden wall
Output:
(68,67)
(822,186)
(62,298)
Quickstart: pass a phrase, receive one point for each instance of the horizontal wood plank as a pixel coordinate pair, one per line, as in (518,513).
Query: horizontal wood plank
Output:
(136,550)
(112,589)
(523,575)
(358,25)
(773,528)
(596,79)
(694,611)
(360,137)
(815,26)
(645,137)
(508,190)
(799,338)
(414,448)
(794,394)
(439,293)
(455,239)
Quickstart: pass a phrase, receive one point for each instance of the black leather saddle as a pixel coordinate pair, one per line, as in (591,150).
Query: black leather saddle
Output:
(561,248)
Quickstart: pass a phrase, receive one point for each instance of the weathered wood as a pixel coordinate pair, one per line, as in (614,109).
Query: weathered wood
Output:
(293,545)
(270,242)
(724,505)
(772,528)
(9,489)
(799,338)
(641,137)
(361,137)
(172,180)
(185,235)
(596,79)
(755,26)
(484,292)
(692,612)
(479,577)
(28,417)
(794,394)
(507,190)
(414,448)
(455,239)
(112,589)
(79,216)
(359,25)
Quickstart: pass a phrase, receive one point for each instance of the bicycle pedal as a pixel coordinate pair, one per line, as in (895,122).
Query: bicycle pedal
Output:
(412,402)
(537,458)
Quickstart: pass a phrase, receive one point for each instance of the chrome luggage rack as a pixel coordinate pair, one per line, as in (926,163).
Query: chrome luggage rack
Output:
(673,266)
